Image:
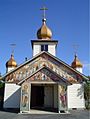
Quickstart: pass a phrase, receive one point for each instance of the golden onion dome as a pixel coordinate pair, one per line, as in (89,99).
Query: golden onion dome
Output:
(11,62)
(76,63)
(44,32)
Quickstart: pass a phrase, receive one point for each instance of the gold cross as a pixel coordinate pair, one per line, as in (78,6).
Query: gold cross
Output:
(44,11)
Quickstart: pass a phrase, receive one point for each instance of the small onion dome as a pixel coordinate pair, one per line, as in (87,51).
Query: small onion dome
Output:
(11,62)
(76,63)
(44,32)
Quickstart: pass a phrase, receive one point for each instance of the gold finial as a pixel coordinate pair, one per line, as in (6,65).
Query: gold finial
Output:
(11,62)
(76,63)
(44,12)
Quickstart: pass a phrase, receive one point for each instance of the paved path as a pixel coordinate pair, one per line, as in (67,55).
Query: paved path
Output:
(75,114)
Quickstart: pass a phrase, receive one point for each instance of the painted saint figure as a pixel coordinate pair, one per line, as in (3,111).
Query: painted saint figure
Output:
(24,95)
(63,97)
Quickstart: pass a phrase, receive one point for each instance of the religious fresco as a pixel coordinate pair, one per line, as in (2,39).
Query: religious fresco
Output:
(45,75)
(50,75)
(40,76)
(63,97)
(42,61)
(25,97)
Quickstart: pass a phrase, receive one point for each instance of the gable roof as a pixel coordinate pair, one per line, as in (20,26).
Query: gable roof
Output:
(47,53)
(51,71)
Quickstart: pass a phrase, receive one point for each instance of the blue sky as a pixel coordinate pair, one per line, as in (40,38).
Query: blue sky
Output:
(68,20)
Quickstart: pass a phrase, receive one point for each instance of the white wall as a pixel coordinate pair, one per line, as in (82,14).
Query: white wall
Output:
(75,96)
(36,49)
(52,49)
(79,69)
(9,69)
(12,94)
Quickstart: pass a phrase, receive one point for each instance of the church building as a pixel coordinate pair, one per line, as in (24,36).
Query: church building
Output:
(44,82)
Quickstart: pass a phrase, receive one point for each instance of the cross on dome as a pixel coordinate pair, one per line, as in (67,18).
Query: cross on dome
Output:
(44,11)
(12,48)
(44,32)
(11,62)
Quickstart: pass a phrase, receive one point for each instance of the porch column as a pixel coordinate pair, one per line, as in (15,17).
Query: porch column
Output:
(25,97)
(62,99)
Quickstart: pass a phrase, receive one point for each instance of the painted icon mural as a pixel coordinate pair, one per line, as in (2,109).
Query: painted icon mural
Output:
(25,102)
(63,97)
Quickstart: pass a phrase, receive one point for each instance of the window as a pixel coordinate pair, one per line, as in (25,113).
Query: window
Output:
(44,47)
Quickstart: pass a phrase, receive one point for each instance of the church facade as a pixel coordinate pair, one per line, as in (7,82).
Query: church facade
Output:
(44,82)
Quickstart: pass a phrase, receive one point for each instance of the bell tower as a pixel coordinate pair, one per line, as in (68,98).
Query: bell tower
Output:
(44,40)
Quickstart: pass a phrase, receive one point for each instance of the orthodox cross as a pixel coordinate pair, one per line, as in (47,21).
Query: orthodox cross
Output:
(75,47)
(12,47)
(44,11)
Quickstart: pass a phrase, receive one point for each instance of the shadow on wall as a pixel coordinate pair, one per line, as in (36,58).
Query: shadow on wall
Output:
(80,92)
(14,100)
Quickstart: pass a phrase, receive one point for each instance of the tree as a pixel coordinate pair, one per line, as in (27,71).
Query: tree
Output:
(87,93)
(1,82)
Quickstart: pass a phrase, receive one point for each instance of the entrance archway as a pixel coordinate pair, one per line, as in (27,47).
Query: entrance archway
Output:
(44,97)
(37,96)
